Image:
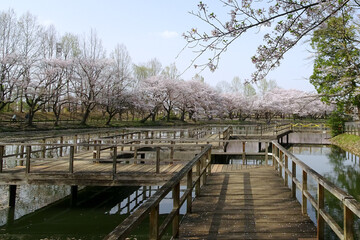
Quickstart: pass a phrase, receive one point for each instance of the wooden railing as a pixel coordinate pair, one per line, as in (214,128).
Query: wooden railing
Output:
(202,164)
(310,127)
(353,129)
(27,157)
(281,158)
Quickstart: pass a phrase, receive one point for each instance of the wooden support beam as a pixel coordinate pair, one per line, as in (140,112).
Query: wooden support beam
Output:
(74,194)
(12,195)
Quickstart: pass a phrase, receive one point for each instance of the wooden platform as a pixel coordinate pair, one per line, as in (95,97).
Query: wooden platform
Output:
(245,202)
(88,172)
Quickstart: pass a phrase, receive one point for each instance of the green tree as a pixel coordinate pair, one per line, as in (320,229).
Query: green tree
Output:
(337,61)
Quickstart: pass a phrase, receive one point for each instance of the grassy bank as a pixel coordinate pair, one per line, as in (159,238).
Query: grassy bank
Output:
(347,142)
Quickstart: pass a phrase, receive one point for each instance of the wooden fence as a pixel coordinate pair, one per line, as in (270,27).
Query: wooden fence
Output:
(353,129)
(281,158)
(202,164)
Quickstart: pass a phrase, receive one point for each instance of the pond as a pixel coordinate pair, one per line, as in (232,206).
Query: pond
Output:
(338,166)
(97,212)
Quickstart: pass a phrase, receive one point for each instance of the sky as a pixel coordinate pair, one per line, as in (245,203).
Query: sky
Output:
(153,29)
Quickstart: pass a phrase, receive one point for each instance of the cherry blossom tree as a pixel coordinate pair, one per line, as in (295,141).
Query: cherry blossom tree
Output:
(152,95)
(10,70)
(290,21)
(93,74)
(116,96)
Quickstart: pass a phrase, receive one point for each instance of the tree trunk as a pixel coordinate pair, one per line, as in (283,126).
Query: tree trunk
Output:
(168,115)
(85,117)
(109,119)
(146,118)
(183,116)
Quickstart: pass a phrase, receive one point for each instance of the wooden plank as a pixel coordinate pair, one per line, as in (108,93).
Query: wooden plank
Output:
(234,205)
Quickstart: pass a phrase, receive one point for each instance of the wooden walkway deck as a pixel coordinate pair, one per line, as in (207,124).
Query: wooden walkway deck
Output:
(244,202)
(88,171)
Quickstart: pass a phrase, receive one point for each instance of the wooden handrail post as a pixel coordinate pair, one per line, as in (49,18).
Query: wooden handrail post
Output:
(21,150)
(43,148)
(320,219)
(75,143)
(2,151)
(293,184)
(154,223)
(273,150)
(135,155)
(146,136)
(304,188)
(114,160)
(61,147)
(172,152)
(266,153)
(348,224)
(122,142)
(209,161)
(197,185)
(98,149)
(176,206)
(202,167)
(243,153)
(71,159)
(219,138)
(280,161)
(28,153)
(189,197)
(286,169)
(157,159)
(88,142)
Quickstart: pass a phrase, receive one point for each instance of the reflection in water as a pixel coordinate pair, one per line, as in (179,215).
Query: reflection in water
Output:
(338,166)
(97,212)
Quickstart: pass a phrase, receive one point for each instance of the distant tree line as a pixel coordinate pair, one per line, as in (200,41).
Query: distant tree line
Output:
(43,71)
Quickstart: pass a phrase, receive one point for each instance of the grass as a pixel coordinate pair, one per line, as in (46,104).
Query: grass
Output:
(348,142)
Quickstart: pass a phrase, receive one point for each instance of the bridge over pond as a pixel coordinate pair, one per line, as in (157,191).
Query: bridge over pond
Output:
(231,201)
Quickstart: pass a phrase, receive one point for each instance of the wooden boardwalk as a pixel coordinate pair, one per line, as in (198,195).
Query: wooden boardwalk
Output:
(244,202)
(88,171)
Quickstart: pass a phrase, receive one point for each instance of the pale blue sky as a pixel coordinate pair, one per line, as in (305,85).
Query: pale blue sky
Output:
(153,28)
